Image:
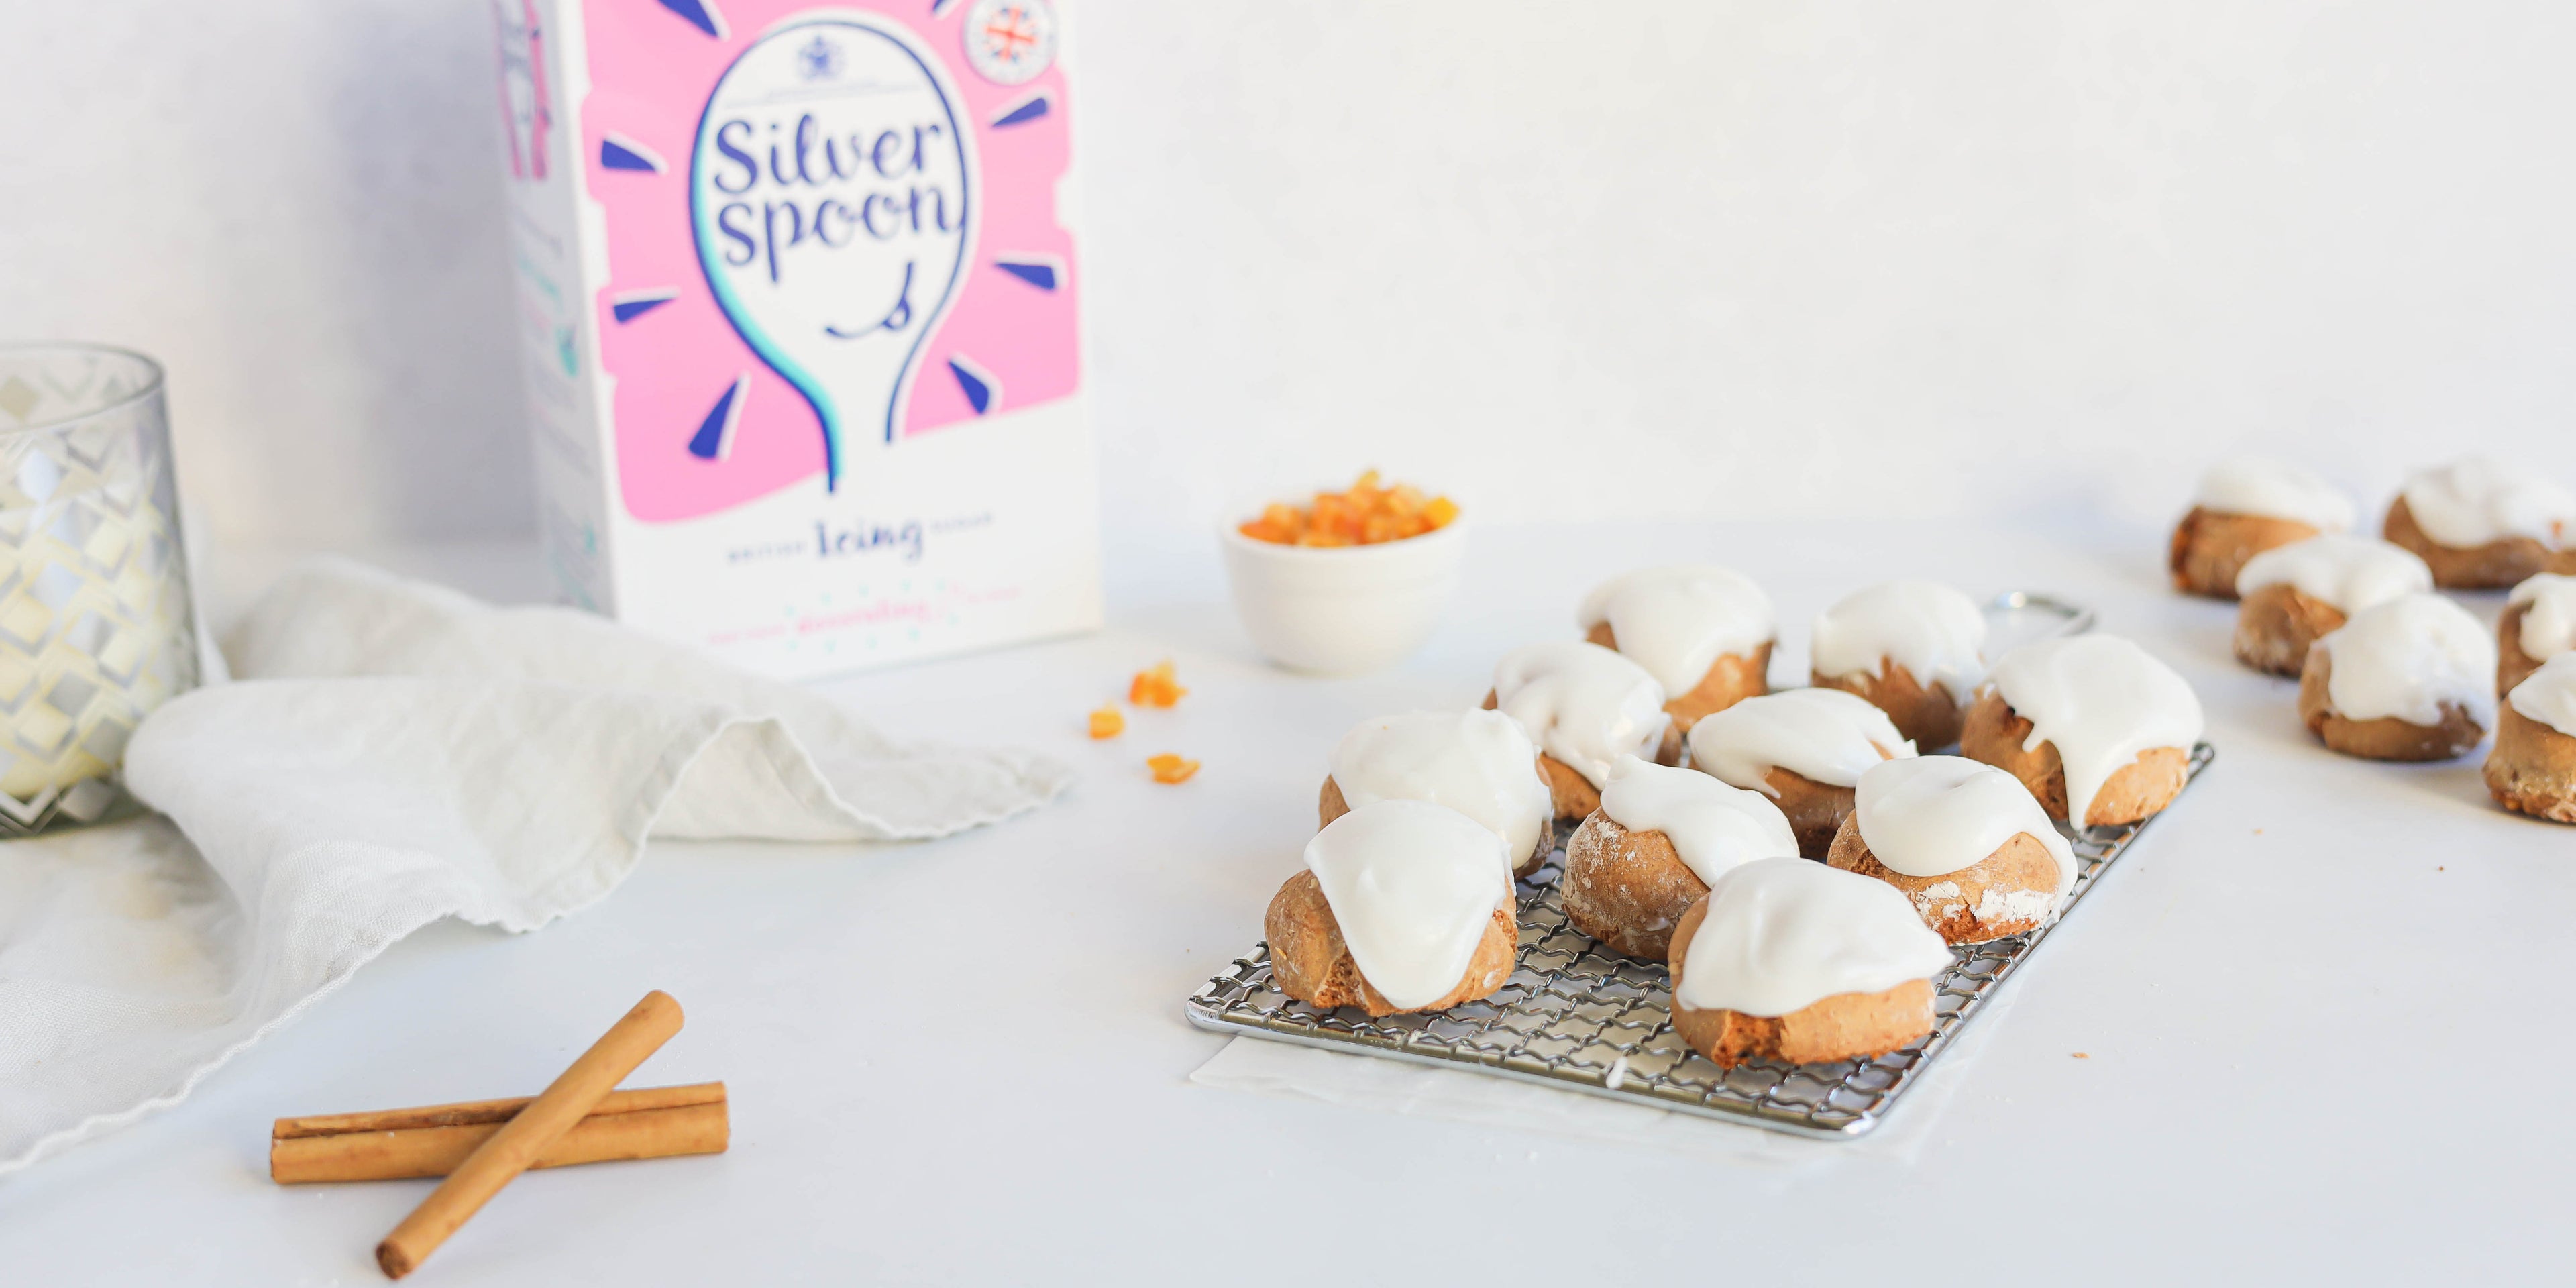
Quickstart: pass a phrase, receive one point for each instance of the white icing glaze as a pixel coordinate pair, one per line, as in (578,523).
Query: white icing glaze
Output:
(1479,763)
(1933,815)
(2549,624)
(1676,622)
(1413,886)
(1586,705)
(2478,499)
(1714,827)
(2548,695)
(2406,658)
(2102,700)
(2274,489)
(2351,573)
(1822,734)
(1784,934)
(1941,900)
(1999,905)
(1931,630)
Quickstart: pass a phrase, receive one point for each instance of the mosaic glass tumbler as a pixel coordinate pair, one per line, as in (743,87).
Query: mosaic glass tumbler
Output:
(95,624)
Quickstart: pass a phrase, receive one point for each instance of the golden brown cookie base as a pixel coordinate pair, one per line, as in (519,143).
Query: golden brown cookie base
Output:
(2513,666)
(2137,790)
(2533,768)
(1956,904)
(1732,678)
(1574,795)
(2277,623)
(1845,1026)
(2209,548)
(1626,888)
(2386,738)
(1816,810)
(2493,566)
(1309,961)
(1931,717)
(1330,805)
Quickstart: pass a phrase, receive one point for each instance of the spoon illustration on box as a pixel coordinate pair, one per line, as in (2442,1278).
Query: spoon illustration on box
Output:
(831,192)
(829,231)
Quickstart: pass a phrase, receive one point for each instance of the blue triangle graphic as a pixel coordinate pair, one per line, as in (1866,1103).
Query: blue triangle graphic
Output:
(1023,114)
(1041,276)
(629,310)
(978,394)
(614,157)
(696,12)
(708,443)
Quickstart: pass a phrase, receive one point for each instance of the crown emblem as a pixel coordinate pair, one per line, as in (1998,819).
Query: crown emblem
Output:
(818,59)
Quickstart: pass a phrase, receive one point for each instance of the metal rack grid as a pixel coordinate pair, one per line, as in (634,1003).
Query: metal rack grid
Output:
(1576,1016)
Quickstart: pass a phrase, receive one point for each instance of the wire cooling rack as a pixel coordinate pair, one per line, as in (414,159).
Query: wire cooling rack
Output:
(1576,1016)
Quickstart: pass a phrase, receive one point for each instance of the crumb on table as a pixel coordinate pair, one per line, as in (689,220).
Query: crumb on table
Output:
(1156,686)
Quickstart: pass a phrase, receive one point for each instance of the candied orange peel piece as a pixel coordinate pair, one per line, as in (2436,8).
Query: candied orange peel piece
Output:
(1107,723)
(1155,686)
(1368,513)
(1169,768)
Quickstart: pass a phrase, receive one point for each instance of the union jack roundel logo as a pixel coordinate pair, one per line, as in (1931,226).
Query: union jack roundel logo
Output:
(1009,42)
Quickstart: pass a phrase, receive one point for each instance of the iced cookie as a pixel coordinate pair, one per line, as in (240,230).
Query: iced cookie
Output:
(1793,961)
(1913,649)
(2099,731)
(1803,748)
(1479,763)
(1585,707)
(2245,506)
(2533,767)
(2407,680)
(1963,841)
(1403,906)
(1705,633)
(1651,850)
(2292,594)
(2539,623)
(2482,524)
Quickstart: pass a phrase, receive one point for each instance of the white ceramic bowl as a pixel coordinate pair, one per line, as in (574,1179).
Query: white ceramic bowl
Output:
(1340,610)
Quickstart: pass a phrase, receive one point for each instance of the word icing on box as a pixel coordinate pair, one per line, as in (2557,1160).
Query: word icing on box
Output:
(798,295)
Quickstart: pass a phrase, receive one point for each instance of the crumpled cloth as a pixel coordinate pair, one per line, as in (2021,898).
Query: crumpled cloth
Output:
(392,753)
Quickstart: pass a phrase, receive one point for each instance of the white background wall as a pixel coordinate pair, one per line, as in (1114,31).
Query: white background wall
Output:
(1717,258)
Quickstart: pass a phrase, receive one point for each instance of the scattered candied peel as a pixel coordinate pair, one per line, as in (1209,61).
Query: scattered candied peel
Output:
(1367,514)
(1107,723)
(1155,686)
(1169,768)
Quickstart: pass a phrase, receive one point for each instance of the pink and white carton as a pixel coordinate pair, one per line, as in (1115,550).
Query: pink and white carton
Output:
(799,300)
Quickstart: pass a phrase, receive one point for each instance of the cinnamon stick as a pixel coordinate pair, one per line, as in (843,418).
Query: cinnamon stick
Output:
(467,1112)
(430,1140)
(529,1133)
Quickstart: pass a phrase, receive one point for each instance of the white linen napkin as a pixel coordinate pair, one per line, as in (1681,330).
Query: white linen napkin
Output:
(392,753)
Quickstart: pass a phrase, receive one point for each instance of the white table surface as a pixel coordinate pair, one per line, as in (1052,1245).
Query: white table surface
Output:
(2321,1004)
